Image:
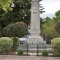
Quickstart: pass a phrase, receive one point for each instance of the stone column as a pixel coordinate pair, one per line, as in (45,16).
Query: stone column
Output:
(35,18)
(35,37)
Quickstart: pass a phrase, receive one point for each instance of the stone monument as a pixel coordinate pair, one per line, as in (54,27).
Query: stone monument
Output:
(35,37)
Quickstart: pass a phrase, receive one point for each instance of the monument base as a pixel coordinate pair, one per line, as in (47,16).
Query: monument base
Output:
(35,40)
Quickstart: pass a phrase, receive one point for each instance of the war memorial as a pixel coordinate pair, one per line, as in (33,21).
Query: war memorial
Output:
(35,37)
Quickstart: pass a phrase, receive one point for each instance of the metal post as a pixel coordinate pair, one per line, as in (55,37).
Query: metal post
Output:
(27,49)
(37,49)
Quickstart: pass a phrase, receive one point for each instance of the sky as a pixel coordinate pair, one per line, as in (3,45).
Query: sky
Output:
(51,6)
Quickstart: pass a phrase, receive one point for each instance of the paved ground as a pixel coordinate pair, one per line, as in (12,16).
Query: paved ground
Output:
(14,57)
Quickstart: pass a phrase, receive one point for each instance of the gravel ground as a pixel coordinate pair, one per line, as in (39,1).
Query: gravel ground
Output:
(14,57)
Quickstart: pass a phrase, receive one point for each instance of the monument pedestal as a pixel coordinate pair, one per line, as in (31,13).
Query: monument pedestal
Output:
(35,40)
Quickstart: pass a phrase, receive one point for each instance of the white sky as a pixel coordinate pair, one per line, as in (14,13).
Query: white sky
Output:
(51,6)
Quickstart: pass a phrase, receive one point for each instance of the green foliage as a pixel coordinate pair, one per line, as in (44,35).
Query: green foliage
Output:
(57,13)
(57,27)
(20,12)
(5,5)
(44,53)
(16,30)
(51,27)
(6,44)
(56,46)
(48,27)
(16,42)
(20,52)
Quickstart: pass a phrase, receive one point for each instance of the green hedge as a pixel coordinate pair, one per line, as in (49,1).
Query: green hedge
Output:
(20,52)
(44,53)
(6,44)
(16,42)
(56,46)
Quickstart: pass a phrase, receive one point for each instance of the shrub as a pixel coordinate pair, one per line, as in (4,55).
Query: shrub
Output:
(20,52)
(15,30)
(56,46)
(18,29)
(6,44)
(16,42)
(44,53)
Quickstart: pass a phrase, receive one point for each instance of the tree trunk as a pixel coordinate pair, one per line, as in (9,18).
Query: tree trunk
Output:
(1,30)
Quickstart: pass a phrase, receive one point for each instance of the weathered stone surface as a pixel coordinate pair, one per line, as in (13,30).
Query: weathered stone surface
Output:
(35,37)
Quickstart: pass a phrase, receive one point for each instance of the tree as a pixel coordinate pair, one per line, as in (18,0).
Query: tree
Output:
(18,29)
(52,26)
(57,27)
(20,12)
(41,8)
(48,27)
(57,13)
(48,30)
(57,16)
(5,5)
(57,21)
